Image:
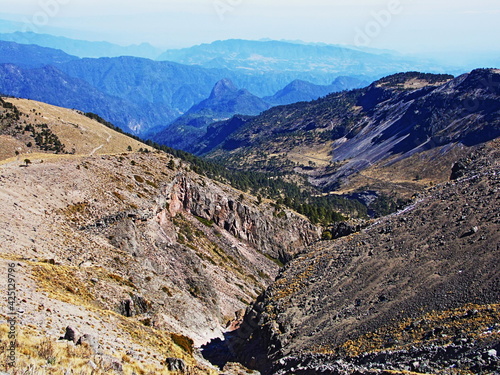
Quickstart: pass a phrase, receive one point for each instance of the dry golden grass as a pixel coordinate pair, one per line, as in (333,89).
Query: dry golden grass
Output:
(414,84)
(62,283)
(78,133)
(468,321)
(38,157)
(37,354)
(9,146)
(42,355)
(67,285)
(407,176)
(320,155)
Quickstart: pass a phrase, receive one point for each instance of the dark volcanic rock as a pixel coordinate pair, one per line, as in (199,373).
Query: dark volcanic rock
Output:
(71,334)
(135,305)
(344,229)
(175,364)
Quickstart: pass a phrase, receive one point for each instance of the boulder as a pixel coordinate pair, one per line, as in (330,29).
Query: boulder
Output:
(71,334)
(175,364)
(90,340)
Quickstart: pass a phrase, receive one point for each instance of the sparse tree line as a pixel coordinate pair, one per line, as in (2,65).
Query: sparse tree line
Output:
(320,210)
(42,136)
(45,138)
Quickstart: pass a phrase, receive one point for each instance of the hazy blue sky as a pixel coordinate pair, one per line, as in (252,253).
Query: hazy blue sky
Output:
(404,25)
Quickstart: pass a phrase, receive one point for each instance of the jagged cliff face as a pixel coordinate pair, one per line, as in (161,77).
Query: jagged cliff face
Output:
(417,290)
(277,233)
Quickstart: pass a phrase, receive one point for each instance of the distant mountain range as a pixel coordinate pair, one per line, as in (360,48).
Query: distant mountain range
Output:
(375,129)
(55,87)
(310,60)
(32,56)
(302,91)
(144,96)
(82,48)
(225,100)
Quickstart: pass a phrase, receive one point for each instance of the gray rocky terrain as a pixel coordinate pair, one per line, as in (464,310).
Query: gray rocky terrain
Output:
(415,291)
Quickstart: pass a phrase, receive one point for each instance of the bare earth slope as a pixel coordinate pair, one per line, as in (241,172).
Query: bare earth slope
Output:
(121,247)
(418,290)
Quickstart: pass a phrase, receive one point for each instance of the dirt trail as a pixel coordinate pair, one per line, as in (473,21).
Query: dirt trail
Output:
(101,146)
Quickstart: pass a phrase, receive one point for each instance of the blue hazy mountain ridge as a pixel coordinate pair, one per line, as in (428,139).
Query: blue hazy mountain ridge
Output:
(224,102)
(31,55)
(258,56)
(168,89)
(118,75)
(147,81)
(302,91)
(226,99)
(82,48)
(136,94)
(9,26)
(52,86)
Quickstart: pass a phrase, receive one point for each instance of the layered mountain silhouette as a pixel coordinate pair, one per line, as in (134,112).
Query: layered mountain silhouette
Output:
(308,59)
(81,48)
(303,91)
(53,86)
(225,100)
(31,55)
(391,120)
(163,90)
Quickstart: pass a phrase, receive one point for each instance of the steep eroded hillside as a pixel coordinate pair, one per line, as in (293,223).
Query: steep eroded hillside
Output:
(130,247)
(417,290)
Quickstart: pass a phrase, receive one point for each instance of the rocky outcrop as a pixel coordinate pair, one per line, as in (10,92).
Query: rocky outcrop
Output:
(175,364)
(345,228)
(427,359)
(135,305)
(194,246)
(279,236)
(71,334)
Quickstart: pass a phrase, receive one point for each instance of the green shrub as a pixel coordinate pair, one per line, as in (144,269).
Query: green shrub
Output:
(204,221)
